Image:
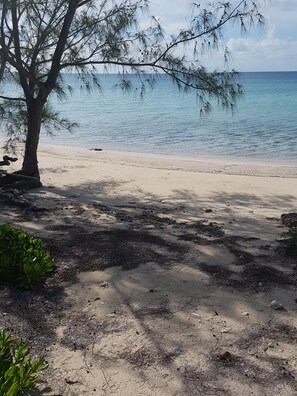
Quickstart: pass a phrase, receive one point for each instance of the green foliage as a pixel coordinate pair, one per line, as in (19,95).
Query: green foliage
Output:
(291,242)
(18,372)
(14,116)
(23,261)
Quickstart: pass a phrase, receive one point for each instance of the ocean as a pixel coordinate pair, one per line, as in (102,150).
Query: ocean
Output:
(166,121)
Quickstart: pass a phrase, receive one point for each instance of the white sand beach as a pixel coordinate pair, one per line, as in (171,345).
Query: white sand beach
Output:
(166,268)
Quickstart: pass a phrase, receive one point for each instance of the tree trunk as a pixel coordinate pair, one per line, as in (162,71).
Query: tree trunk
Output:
(30,163)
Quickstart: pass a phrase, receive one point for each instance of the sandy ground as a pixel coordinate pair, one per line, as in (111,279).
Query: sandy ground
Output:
(165,271)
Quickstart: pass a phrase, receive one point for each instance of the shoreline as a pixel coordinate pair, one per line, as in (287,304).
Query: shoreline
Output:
(245,166)
(224,165)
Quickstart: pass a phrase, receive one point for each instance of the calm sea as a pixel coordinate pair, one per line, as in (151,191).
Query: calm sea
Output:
(167,121)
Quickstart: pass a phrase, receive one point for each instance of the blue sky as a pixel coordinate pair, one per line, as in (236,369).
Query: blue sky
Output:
(272,49)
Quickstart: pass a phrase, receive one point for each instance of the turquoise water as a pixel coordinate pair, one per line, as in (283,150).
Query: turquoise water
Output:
(166,121)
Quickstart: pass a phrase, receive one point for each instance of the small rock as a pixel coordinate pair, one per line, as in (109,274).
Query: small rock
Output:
(195,314)
(276,305)
(176,351)
(260,284)
(150,227)
(104,284)
(97,298)
(129,219)
(245,314)
(208,210)
(225,356)
(226,329)
(271,345)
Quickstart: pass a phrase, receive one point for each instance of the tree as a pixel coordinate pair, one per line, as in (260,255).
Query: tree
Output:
(41,39)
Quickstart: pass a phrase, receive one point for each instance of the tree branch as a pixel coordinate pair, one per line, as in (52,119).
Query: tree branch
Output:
(55,67)
(220,24)
(11,98)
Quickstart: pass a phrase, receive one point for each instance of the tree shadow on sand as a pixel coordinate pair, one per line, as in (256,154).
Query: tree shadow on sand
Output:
(88,228)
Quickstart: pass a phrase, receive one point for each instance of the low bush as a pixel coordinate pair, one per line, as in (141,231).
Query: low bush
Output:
(291,242)
(18,372)
(23,261)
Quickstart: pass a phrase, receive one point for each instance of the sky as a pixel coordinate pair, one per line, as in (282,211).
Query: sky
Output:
(271,49)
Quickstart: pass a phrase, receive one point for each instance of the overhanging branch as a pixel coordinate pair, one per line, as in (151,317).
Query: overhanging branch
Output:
(12,98)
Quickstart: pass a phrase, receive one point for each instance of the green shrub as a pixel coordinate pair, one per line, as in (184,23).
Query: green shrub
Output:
(291,242)
(18,372)
(23,261)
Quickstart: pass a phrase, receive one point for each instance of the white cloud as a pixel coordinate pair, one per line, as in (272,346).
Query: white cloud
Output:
(275,48)
(271,53)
